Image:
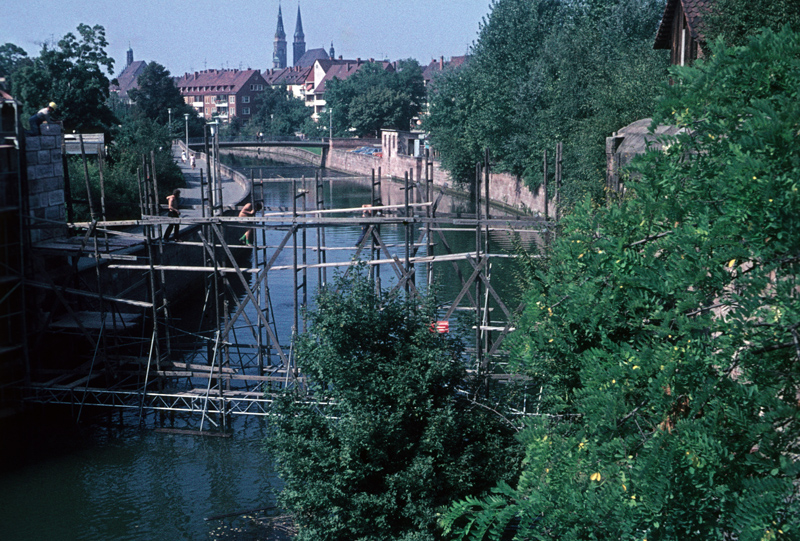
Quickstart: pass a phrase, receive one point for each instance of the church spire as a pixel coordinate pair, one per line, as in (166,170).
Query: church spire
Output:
(299,45)
(298,30)
(279,51)
(279,33)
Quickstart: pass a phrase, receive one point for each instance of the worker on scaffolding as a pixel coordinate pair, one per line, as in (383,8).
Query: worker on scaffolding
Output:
(247,211)
(173,202)
(366,212)
(41,116)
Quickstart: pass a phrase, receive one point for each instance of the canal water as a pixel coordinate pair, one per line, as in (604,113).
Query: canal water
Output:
(112,477)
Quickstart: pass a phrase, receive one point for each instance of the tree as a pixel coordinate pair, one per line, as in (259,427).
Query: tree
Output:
(374,98)
(543,72)
(736,21)
(74,76)
(399,436)
(134,142)
(664,326)
(156,93)
(278,112)
(11,57)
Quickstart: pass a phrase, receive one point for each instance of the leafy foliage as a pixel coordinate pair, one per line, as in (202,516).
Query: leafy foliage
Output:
(73,74)
(545,71)
(736,21)
(663,330)
(397,438)
(156,93)
(11,57)
(375,98)
(134,141)
(278,113)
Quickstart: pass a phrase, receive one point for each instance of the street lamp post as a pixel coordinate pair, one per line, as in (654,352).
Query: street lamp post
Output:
(186,117)
(330,139)
(169,111)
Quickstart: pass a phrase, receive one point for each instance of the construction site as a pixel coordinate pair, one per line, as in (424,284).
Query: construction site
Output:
(107,314)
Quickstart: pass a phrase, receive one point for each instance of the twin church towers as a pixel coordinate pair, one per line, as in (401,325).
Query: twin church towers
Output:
(298,46)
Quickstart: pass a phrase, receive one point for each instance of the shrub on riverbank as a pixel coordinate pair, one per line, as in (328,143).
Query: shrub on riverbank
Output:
(393,433)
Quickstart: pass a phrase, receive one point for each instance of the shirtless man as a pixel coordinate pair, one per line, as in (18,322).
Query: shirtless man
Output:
(246,212)
(173,202)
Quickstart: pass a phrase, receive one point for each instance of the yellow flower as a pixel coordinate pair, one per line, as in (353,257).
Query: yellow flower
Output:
(595,476)
(624,487)
(731,263)
(635,367)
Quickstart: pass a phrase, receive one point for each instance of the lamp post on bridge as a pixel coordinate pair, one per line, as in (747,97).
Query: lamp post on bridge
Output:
(186,117)
(169,125)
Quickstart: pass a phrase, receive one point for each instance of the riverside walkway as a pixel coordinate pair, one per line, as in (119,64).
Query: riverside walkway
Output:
(233,192)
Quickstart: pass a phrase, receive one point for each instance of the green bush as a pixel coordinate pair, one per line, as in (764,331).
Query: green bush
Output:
(392,435)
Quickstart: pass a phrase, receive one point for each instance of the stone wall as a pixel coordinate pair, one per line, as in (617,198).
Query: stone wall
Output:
(45,185)
(504,189)
(284,154)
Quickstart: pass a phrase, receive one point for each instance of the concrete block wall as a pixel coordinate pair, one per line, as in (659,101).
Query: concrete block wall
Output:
(45,185)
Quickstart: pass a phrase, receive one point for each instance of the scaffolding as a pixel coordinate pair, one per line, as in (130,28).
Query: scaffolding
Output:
(136,356)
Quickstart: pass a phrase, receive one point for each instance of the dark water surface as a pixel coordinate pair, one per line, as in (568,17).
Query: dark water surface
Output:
(111,478)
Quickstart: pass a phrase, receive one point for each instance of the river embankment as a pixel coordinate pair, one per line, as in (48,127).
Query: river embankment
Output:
(507,192)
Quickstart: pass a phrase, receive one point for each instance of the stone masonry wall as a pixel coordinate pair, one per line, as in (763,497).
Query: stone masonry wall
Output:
(45,186)
(504,188)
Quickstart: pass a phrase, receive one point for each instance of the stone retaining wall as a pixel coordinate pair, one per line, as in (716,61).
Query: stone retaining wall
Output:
(284,154)
(505,189)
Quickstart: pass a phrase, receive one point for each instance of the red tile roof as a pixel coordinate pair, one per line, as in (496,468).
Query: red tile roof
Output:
(228,81)
(342,69)
(694,11)
(288,76)
(437,66)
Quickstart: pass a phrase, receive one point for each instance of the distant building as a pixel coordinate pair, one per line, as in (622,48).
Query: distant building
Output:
(311,56)
(128,79)
(438,66)
(299,45)
(326,70)
(682,30)
(279,49)
(294,79)
(227,94)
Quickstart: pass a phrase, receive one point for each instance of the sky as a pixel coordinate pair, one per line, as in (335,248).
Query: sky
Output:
(194,35)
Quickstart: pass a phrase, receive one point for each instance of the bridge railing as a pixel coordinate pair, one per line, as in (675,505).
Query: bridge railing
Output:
(264,139)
